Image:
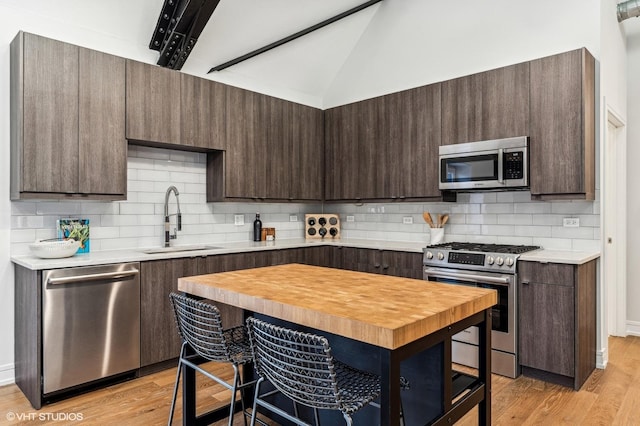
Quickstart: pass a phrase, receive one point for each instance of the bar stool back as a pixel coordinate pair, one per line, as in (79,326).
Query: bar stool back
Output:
(200,327)
(300,365)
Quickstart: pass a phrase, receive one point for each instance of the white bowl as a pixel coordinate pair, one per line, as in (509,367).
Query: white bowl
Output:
(54,249)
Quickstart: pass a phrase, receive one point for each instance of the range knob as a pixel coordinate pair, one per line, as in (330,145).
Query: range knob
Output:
(509,261)
(429,255)
(440,255)
(499,261)
(489,260)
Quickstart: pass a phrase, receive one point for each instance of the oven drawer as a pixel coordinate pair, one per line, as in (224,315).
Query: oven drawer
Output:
(470,335)
(502,363)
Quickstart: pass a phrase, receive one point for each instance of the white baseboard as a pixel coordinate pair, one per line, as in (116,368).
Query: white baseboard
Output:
(602,358)
(633,328)
(7,374)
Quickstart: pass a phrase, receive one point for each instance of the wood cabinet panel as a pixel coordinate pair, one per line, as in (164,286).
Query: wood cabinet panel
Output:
(102,147)
(306,167)
(274,151)
(28,334)
(557,321)
(384,148)
(203,113)
(562,143)
(547,327)
(153,103)
(241,158)
(272,146)
(62,143)
(50,111)
(343,158)
(489,105)
(417,136)
(159,339)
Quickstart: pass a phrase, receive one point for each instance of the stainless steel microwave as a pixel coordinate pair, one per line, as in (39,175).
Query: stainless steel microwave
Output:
(492,164)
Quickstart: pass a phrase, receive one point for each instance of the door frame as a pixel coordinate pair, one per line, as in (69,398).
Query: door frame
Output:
(614,291)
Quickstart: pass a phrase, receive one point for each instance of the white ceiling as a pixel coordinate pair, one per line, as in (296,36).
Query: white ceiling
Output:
(391,46)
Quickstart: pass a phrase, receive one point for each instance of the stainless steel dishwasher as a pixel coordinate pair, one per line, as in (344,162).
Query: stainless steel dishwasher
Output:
(90,324)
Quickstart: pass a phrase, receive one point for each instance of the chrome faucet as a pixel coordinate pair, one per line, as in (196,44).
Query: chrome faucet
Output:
(167,223)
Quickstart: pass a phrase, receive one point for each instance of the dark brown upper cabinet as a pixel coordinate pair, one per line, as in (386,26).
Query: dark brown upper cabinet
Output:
(67,121)
(562,144)
(203,111)
(489,105)
(274,148)
(153,104)
(385,148)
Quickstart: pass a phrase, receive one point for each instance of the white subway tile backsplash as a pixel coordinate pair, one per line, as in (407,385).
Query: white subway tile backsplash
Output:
(514,219)
(138,208)
(492,217)
(497,208)
(498,230)
(581,233)
(533,231)
(575,207)
(482,219)
(537,208)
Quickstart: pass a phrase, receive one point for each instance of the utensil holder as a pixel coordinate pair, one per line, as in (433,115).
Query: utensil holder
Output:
(436,235)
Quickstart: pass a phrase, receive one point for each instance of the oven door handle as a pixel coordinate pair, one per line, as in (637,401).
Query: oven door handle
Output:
(467,277)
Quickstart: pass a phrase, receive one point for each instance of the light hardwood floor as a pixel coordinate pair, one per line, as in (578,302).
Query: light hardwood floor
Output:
(609,397)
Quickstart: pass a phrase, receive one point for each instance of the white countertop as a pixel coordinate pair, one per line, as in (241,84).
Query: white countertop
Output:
(560,256)
(136,255)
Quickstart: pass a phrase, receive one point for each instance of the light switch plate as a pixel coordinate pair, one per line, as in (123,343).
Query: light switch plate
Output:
(293,218)
(407,220)
(351,218)
(238,219)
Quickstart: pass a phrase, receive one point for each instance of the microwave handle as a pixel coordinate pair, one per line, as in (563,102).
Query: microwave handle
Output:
(500,165)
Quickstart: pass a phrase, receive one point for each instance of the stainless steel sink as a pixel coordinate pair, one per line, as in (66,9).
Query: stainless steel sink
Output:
(177,249)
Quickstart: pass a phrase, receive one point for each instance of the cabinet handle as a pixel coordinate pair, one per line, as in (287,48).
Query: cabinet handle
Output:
(525,282)
(377,265)
(385,266)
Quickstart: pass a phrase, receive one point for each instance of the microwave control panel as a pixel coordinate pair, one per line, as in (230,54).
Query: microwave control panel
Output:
(513,165)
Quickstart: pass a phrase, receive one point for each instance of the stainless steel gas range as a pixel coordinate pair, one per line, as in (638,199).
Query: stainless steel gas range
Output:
(493,266)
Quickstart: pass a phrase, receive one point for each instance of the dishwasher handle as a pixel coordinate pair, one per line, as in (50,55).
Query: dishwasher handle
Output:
(119,275)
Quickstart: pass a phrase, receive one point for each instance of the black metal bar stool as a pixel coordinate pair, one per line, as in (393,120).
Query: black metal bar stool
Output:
(300,366)
(200,327)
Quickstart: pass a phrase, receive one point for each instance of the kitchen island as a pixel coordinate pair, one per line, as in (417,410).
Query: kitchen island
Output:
(393,319)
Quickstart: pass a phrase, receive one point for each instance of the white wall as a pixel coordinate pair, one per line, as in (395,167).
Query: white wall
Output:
(411,43)
(633,175)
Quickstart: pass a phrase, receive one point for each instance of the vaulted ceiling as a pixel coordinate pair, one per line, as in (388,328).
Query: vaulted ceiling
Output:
(240,26)
(390,46)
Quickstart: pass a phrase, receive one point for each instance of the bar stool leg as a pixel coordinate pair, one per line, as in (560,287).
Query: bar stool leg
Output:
(175,387)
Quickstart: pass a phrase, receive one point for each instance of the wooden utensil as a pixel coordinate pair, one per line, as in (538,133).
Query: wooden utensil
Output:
(427,218)
(443,220)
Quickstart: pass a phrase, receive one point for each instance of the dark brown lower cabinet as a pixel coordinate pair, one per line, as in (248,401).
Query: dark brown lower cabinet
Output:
(557,321)
(159,340)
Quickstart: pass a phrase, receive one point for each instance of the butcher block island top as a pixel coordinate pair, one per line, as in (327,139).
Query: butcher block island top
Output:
(377,309)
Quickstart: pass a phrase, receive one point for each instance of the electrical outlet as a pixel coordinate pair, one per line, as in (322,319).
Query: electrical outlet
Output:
(571,222)
(407,220)
(351,218)
(293,218)
(238,219)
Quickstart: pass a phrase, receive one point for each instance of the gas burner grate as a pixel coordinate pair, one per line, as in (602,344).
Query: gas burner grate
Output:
(482,247)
